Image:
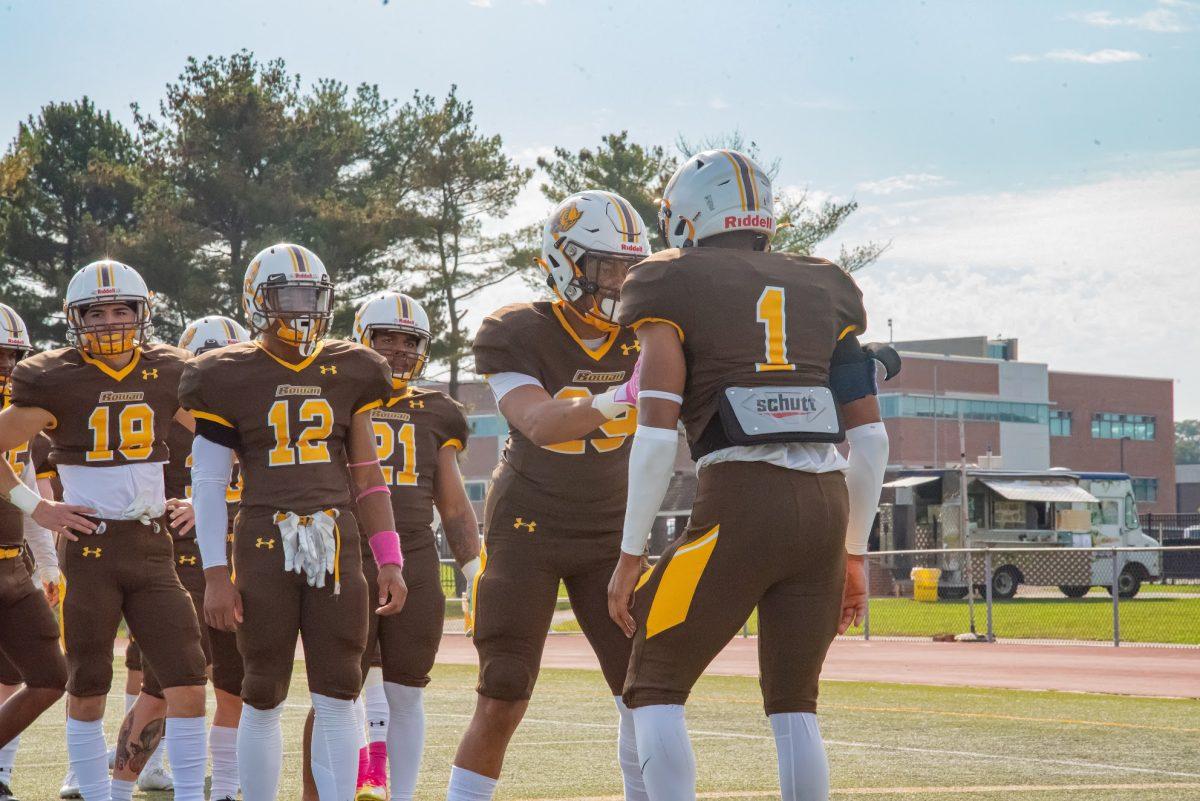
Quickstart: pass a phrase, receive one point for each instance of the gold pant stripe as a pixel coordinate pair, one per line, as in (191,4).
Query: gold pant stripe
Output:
(678,585)
(472,611)
(62,610)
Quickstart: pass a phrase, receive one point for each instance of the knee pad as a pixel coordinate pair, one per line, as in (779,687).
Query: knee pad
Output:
(506,679)
(263,692)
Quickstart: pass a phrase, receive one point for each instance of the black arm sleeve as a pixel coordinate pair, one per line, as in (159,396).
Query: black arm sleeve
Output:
(215,432)
(851,371)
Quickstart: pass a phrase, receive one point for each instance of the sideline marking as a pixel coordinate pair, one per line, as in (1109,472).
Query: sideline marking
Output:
(965,790)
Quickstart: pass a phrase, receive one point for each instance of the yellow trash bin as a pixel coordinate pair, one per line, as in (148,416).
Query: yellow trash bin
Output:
(925,583)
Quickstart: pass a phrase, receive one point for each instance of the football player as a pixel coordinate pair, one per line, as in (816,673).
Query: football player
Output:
(419,433)
(553,513)
(106,403)
(220,647)
(29,651)
(294,406)
(757,353)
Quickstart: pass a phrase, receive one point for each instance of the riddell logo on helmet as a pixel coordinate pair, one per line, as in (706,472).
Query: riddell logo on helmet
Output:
(749,221)
(634,248)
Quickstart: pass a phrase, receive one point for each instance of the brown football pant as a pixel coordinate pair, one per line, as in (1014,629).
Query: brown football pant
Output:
(126,568)
(277,606)
(760,536)
(220,647)
(28,633)
(518,590)
(407,643)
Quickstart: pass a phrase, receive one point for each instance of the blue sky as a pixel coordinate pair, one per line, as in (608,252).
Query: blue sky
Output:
(1036,165)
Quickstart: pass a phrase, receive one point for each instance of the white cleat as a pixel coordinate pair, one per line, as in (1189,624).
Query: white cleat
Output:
(155,778)
(70,786)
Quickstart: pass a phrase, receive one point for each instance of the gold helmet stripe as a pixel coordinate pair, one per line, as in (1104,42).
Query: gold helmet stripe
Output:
(629,232)
(10,321)
(746,179)
(229,333)
(737,171)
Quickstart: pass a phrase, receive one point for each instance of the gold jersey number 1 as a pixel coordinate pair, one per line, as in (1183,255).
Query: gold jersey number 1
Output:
(773,315)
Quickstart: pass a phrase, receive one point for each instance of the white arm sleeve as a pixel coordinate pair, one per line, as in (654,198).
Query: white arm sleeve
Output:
(504,383)
(212,467)
(41,541)
(651,460)
(864,481)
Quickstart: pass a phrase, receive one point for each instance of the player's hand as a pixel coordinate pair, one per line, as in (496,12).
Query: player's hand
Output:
(854,595)
(64,518)
(392,590)
(620,592)
(49,579)
(183,516)
(222,601)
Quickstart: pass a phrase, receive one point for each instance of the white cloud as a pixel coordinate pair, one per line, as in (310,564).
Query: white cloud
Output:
(1106,56)
(901,183)
(480,3)
(1157,20)
(1099,277)
(717,104)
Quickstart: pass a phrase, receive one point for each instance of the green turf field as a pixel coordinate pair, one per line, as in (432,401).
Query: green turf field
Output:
(886,742)
(1161,618)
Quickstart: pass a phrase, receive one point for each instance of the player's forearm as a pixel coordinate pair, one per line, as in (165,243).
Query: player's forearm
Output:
(462,535)
(40,540)
(650,467)
(555,421)
(375,514)
(212,466)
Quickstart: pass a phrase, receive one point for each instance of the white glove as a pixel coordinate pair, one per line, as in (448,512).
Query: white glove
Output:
(289,535)
(48,575)
(470,571)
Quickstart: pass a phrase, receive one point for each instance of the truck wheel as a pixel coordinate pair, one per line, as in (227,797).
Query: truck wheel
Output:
(1005,582)
(1129,583)
(1072,591)
(951,593)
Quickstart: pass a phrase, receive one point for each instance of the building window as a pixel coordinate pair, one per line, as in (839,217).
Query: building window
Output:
(1060,423)
(476,490)
(1145,489)
(1107,425)
(488,425)
(948,408)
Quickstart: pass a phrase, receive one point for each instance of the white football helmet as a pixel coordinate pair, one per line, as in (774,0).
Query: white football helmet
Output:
(212,332)
(288,293)
(715,192)
(13,336)
(589,243)
(395,311)
(102,283)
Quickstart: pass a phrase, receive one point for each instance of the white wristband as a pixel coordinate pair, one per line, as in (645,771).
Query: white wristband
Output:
(607,406)
(24,498)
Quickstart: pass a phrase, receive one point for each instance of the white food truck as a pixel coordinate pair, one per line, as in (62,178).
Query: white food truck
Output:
(1010,511)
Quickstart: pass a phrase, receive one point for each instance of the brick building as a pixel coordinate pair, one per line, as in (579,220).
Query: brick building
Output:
(1022,415)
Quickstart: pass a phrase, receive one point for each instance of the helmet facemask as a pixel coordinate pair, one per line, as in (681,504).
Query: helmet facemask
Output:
(7,366)
(595,290)
(296,312)
(407,361)
(109,339)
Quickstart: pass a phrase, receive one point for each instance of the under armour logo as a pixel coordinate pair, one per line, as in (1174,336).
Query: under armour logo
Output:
(187,560)
(261,543)
(329,368)
(91,551)
(636,347)
(149,374)
(416,404)
(531,526)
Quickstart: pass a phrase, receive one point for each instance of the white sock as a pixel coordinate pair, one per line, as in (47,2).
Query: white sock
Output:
(318,764)
(405,737)
(8,756)
(360,719)
(222,744)
(122,790)
(260,752)
(803,766)
(627,755)
(377,706)
(337,731)
(187,746)
(129,701)
(665,752)
(468,786)
(88,754)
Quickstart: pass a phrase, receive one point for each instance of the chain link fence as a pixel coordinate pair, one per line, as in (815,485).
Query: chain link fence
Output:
(1060,595)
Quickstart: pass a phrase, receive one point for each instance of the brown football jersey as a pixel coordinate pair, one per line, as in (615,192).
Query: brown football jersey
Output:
(746,318)
(104,417)
(12,524)
(410,431)
(580,484)
(290,420)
